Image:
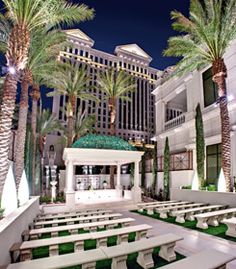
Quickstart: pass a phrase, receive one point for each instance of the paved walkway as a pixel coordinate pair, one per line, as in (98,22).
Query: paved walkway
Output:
(193,242)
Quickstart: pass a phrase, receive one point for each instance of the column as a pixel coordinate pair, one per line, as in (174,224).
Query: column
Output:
(70,191)
(136,190)
(69,177)
(118,184)
(136,175)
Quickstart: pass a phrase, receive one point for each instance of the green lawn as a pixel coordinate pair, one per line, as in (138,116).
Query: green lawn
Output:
(216,231)
(91,244)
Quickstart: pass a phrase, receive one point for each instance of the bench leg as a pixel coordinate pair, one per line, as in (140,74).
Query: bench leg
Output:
(126,224)
(213,222)
(92,229)
(38,226)
(25,255)
(189,216)
(140,235)
(140,210)
(91,265)
(123,238)
(54,234)
(79,246)
(75,231)
(53,250)
(70,223)
(163,215)
(145,259)
(119,262)
(167,252)
(34,237)
(54,224)
(150,212)
(231,230)
(110,226)
(102,242)
(180,218)
(202,224)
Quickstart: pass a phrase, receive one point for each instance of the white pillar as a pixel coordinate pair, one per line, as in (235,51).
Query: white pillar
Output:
(70,191)
(136,190)
(118,184)
(69,177)
(136,175)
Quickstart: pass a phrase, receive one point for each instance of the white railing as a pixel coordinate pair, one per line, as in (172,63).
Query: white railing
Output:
(175,122)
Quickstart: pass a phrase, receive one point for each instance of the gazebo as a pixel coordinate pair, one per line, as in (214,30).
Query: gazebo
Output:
(101,150)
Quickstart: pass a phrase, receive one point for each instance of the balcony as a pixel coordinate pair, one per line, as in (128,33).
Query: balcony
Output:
(175,122)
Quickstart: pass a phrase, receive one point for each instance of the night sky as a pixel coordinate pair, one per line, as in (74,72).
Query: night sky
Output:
(146,23)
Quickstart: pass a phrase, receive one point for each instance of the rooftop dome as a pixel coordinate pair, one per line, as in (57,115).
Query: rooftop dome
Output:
(92,141)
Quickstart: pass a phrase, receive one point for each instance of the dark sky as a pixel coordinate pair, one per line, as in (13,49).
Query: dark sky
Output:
(146,23)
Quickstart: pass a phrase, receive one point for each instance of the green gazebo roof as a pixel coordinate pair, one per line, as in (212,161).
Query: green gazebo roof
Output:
(92,141)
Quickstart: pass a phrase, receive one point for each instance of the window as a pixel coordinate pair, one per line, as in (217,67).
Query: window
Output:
(209,88)
(213,162)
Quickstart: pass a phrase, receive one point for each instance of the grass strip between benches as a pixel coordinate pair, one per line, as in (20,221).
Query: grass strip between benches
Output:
(218,231)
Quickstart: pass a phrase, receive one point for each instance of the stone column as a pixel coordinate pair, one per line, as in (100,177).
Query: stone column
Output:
(136,190)
(118,185)
(70,191)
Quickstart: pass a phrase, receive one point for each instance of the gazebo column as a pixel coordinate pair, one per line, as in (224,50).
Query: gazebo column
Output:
(70,190)
(118,184)
(136,190)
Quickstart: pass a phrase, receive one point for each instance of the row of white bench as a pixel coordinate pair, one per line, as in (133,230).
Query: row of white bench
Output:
(118,254)
(71,214)
(204,214)
(73,229)
(24,249)
(69,221)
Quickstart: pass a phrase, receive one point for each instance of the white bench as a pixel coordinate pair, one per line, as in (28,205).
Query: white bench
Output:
(231,224)
(118,254)
(151,208)
(71,211)
(168,210)
(69,221)
(144,247)
(207,259)
(142,206)
(73,229)
(213,218)
(188,214)
(72,214)
(85,258)
(122,234)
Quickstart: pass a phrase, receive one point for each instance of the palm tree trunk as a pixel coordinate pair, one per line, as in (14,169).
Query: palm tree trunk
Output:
(35,97)
(112,132)
(70,123)
(219,76)
(21,132)
(6,114)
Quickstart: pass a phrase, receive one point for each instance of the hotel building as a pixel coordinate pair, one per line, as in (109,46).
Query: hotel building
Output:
(135,119)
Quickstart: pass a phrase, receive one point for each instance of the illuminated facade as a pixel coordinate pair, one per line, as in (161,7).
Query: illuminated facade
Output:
(135,119)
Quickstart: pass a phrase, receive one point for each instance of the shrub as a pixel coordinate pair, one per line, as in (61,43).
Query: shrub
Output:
(45,199)
(187,187)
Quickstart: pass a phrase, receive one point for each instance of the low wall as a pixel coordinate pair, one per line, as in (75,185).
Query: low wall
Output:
(177,179)
(212,197)
(13,225)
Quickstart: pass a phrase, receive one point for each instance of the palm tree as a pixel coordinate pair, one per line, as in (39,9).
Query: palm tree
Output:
(46,124)
(82,125)
(27,16)
(43,53)
(70,80)
(116,86)
(208,32)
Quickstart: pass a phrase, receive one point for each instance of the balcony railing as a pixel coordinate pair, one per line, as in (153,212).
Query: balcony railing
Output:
(175,122)
(178,161)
